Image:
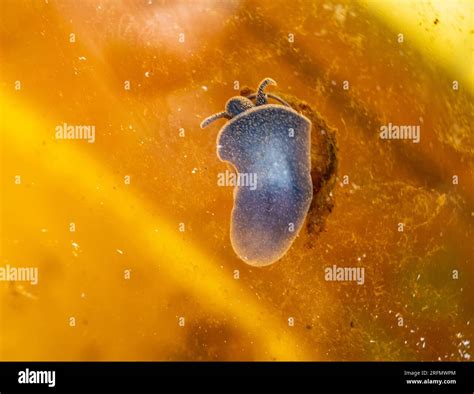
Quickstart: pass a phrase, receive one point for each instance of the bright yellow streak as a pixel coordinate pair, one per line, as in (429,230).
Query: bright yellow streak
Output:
(449,42)
(183,263)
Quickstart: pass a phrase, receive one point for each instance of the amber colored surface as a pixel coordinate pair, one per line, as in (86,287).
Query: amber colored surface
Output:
(190,274)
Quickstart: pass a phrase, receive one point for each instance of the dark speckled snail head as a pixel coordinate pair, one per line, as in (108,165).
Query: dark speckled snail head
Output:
(238,104)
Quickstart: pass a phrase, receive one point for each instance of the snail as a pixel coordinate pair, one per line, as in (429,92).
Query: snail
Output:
(272,142)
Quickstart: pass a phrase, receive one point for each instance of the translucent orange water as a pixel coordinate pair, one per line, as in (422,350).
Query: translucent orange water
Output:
(134,229)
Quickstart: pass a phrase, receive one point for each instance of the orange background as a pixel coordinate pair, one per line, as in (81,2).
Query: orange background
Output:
(173,180)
